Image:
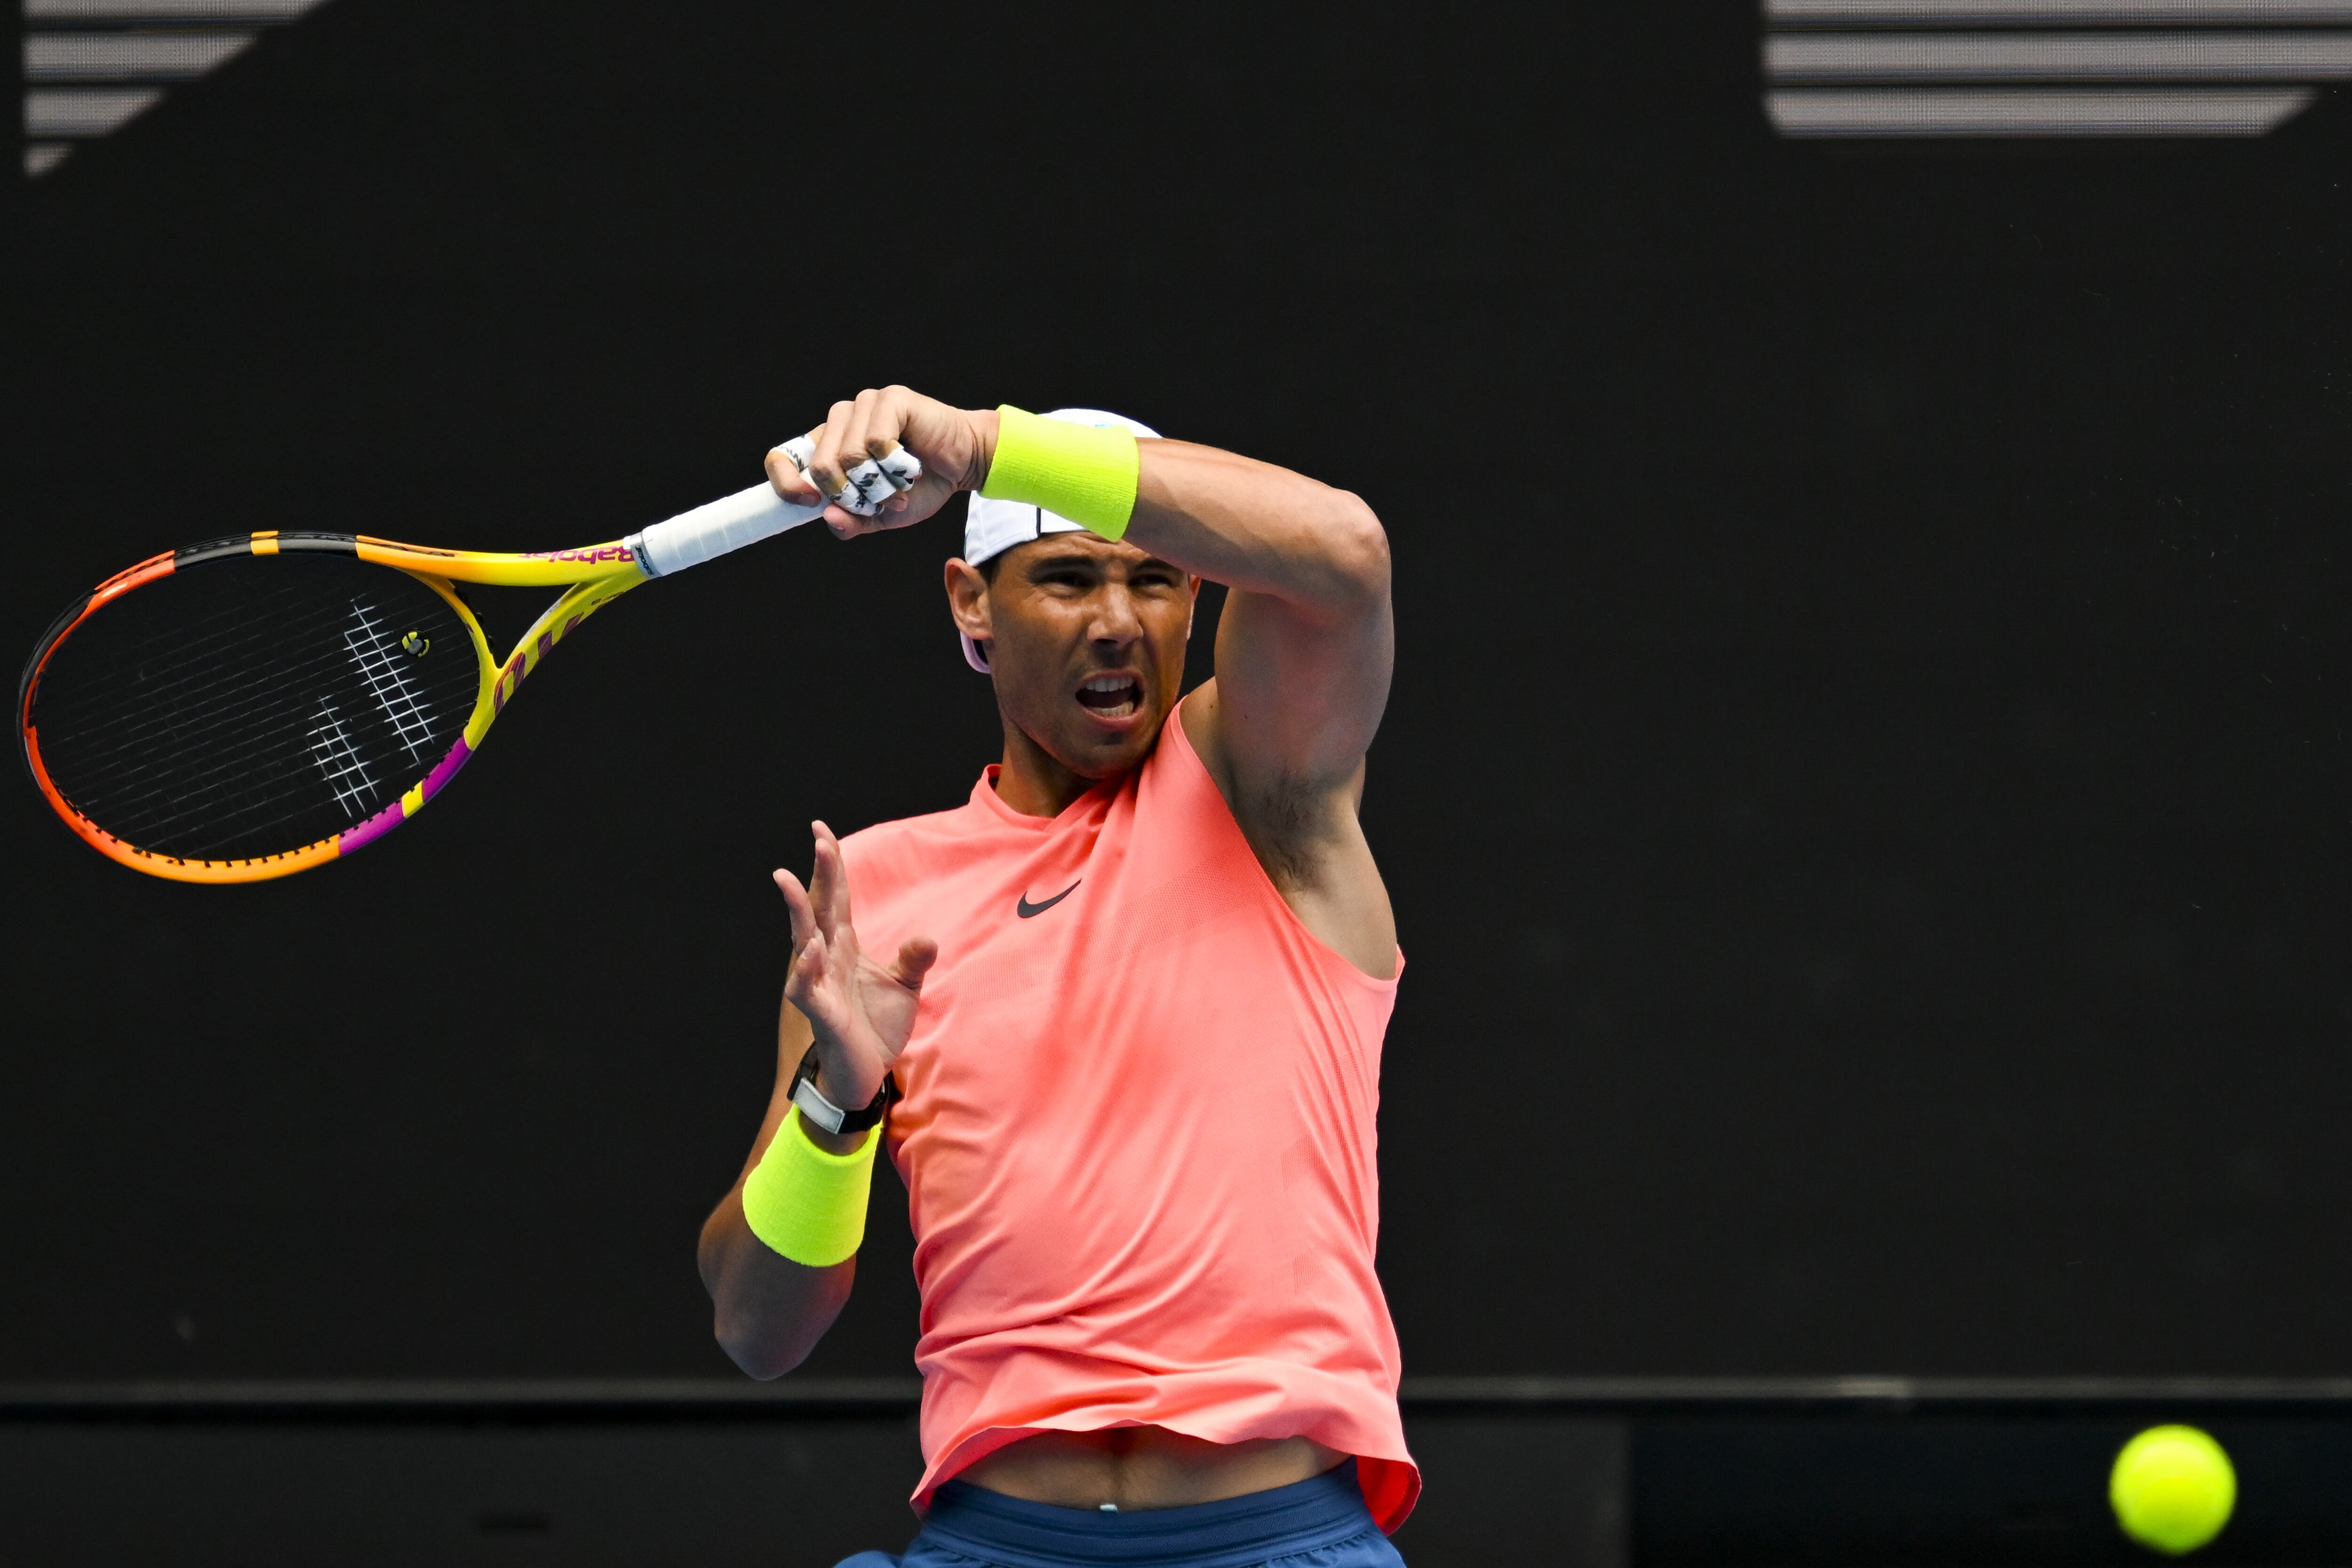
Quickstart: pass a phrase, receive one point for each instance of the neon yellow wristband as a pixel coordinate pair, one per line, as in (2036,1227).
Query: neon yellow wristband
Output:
(1087,473)
(807,1205)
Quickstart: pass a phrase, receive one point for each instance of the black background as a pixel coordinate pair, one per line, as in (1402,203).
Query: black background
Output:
(1865,792)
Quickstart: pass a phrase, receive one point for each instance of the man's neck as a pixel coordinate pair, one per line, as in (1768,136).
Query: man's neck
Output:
(1032,781)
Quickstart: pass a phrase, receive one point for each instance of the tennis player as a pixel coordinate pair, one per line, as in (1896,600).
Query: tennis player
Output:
(1116,1019)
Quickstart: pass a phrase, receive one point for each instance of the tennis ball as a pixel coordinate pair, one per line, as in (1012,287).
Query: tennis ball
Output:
(2172,1488)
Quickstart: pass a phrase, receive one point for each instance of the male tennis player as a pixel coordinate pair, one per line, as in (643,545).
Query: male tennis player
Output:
(1118,1017)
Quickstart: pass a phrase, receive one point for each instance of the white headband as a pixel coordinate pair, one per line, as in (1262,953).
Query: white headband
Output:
(993,527)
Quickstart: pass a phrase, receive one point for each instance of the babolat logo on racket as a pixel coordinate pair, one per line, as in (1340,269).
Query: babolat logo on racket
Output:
(599,553)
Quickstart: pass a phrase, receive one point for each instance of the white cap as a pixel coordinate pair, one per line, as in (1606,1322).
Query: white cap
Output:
(994,527)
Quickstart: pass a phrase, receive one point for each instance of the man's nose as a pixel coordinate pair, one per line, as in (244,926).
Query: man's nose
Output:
(1115,621)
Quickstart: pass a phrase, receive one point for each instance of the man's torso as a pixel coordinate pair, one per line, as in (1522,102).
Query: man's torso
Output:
(1137,1131)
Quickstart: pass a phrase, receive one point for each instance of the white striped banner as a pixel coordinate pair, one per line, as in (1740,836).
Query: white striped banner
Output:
(2051,68)
(91,66)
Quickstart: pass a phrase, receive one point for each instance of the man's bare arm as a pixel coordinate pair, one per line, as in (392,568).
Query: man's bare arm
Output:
(768,1313)
(1307,640)
(771,1311)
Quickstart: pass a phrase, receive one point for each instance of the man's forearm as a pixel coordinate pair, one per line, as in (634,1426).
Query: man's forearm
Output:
(1253,526)
(1258,528)
(768,1313)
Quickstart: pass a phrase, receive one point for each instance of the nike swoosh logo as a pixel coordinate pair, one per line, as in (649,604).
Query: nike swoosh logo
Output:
(1024,909)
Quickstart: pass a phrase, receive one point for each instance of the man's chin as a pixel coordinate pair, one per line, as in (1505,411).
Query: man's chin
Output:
(1095,750)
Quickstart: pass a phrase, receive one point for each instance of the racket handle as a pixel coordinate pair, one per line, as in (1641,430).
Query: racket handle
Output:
(747,517)
(730,522)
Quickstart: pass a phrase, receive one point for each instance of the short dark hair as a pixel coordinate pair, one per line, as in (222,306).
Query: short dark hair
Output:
(987,569)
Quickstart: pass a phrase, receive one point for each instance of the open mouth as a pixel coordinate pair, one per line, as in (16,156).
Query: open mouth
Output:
(1111,695)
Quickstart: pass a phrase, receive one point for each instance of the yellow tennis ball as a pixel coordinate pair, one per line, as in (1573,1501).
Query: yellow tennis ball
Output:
(2173,1489)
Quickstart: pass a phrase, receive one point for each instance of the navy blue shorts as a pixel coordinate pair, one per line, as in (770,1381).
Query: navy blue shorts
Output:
(1321,1523)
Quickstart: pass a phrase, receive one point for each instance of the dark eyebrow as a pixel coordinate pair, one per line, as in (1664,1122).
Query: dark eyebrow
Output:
(1088,561)
(1058,562)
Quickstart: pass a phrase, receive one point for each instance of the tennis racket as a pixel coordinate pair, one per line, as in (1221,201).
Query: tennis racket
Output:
(251,707)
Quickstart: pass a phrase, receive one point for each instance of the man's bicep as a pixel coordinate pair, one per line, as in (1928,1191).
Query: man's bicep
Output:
(1299,699)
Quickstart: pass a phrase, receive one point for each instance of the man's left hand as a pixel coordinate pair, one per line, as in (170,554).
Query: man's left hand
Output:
(955,446)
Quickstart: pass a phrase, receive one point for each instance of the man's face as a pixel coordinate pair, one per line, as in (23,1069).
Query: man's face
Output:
(1086,639)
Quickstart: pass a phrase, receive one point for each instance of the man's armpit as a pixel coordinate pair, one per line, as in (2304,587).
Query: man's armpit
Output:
(1289,825)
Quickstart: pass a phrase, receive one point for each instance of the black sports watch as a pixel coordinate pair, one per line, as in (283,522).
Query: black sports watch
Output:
(819,1111)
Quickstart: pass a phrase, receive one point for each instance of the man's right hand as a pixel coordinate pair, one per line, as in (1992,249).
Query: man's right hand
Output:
(859,1011)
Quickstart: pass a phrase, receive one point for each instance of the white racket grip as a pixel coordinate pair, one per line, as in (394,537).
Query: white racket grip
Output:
(730,522)
(747,517)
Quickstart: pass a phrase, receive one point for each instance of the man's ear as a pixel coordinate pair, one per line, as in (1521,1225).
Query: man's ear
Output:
(968,599)
(1193,608)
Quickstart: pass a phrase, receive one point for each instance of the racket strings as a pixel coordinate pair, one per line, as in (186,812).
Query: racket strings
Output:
(190,640)
(212,688)
(196,766)
(172,680)
(178,766)
(251,706)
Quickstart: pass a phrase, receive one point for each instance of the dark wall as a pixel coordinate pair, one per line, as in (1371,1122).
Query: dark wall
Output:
(775,1488)
(1864,793)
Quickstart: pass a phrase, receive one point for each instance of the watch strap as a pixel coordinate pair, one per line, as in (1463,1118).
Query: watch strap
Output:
(822,1112)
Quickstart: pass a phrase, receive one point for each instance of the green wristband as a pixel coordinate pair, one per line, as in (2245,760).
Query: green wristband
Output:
(1087,473)
(805,1204)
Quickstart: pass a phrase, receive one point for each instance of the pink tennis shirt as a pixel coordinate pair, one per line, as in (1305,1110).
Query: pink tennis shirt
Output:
(1138,1131)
